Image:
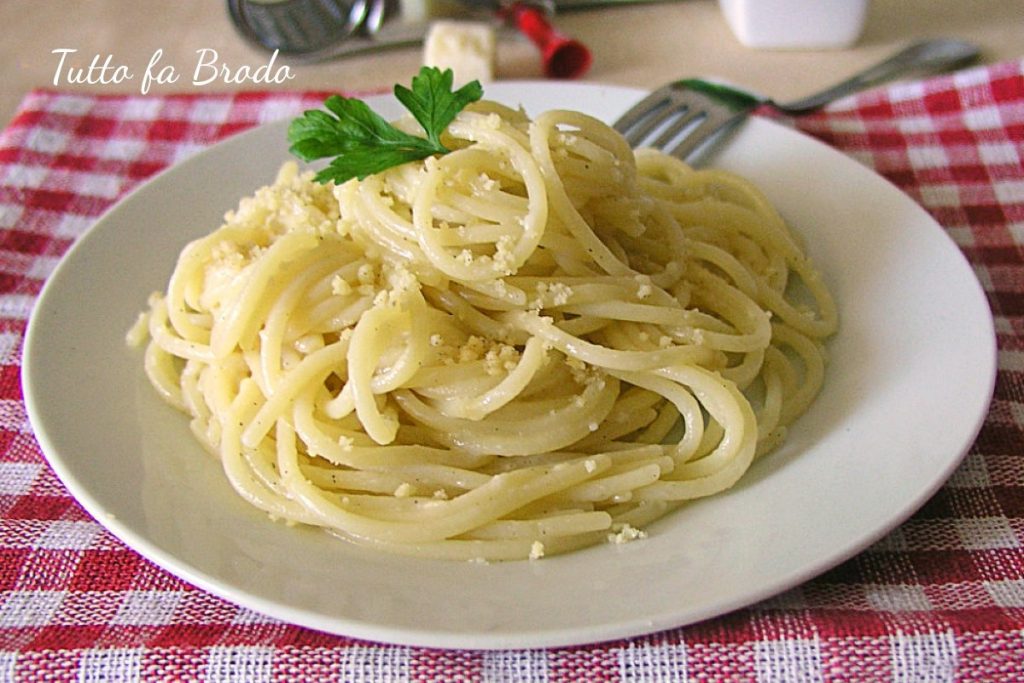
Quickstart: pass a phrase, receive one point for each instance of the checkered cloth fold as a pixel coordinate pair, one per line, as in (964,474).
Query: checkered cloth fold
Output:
(939,599)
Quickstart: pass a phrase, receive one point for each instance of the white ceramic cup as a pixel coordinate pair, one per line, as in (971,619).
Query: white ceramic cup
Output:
(796,24)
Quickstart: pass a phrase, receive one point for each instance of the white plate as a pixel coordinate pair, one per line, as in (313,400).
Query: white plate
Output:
(910,378)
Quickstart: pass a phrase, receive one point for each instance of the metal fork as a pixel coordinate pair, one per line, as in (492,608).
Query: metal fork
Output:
(683,117)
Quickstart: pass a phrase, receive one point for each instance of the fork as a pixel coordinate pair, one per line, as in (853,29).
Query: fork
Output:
(684,117)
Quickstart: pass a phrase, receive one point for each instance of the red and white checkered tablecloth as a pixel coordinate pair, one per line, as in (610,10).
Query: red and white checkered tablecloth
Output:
(939,599)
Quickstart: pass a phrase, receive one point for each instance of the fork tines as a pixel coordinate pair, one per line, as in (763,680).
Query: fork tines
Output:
(676,119)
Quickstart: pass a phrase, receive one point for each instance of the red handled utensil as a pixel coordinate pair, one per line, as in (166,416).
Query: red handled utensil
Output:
(561,56)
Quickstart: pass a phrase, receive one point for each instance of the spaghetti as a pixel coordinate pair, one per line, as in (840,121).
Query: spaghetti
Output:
(535,343)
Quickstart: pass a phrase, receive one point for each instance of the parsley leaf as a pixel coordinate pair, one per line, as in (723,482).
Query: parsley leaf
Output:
(432,101)
(360,142)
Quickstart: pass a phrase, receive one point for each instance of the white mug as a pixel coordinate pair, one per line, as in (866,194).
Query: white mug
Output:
(795,24)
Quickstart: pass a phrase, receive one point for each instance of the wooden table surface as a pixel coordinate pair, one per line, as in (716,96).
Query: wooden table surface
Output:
(639,45)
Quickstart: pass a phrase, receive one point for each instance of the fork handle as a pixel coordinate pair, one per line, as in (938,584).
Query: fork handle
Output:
(929,56)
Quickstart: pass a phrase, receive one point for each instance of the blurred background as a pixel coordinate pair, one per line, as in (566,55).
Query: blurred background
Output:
(632,43)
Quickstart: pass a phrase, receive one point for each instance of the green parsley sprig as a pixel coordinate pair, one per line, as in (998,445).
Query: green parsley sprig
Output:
(360,142)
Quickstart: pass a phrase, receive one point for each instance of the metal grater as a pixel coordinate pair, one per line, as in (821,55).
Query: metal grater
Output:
(299,27)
